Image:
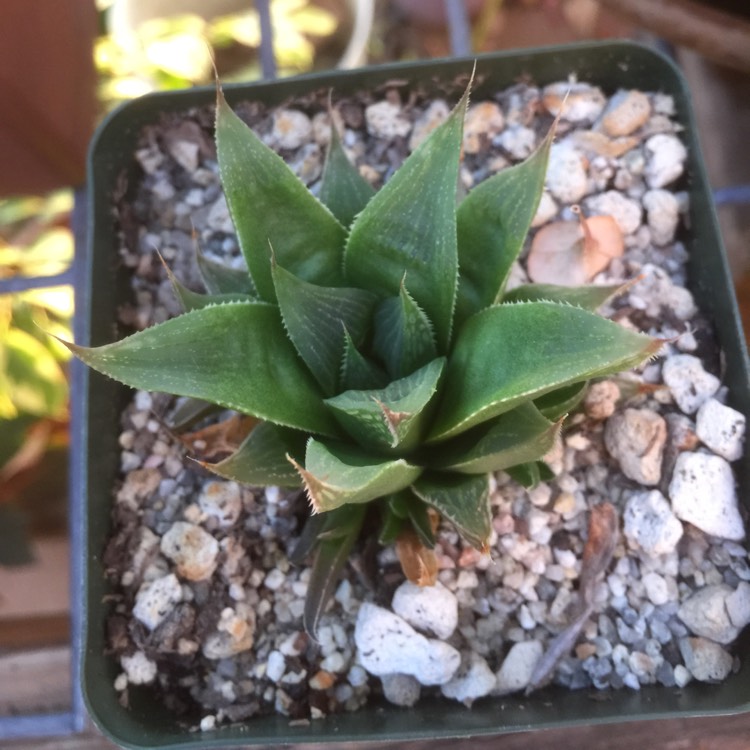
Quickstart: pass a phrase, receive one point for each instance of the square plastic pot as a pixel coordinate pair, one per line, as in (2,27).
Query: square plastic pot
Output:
(146,723)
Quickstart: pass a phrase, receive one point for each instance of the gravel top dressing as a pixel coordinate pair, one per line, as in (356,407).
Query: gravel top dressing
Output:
(627,569)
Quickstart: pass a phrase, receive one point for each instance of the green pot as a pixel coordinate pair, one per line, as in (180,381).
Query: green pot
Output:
(145,723)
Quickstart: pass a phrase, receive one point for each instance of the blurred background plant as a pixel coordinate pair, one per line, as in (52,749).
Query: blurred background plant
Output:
(96,55)
(170,44)
(35,241)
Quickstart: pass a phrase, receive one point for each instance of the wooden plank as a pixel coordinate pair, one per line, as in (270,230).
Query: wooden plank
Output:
(34,632)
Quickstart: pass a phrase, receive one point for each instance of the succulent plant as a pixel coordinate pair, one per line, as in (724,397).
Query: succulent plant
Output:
(375,343)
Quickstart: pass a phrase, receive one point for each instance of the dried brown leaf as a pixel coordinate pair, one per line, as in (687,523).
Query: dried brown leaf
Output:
(571,253)
(419,563)
(218,440)
(597,554)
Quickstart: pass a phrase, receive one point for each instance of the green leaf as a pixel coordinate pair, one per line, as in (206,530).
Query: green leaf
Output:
(463,500)
(494,365)
(316,319)
(271,207)
(520,435)
(391,417)
(261,460)
(588,297)
(409,227)
(527,475)
(357,372)
(236,355)
(421,523)
(403,506)
(336,475)
(221,279)
(330,557)
(493,221)
(391,526)
(190,300)
(343,189)
(190,411)
(561,401)
(403,338)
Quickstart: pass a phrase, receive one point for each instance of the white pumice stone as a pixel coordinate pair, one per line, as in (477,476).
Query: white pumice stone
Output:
(702,492)
(626,112)
(401,689)
(738,605)
(518,140)
(601,399)
(654,291)
(656,588)
(473,680)
(546,211)
(518,666)
(185,153)
(192,549)
(636,439)
(689,382)
(573,101)
(433,609)
(662,215)
(291,128)
(218,217)
(665,159)
(276,666)
(156,599)
(721,428)
(650,524)
(386,120)
(706,614)
(625,211)
(387,644)
(222,501)
(705,660)
(483,121)
(139,668)
(566,173)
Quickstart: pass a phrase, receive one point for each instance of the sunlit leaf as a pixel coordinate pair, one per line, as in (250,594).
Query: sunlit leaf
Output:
(357,372)
(493,221)
(409,227)
(392,417)
(520,435)
(236,355)
(262,460)
(221,279)
(330,557)
(403,338)
(339,474)
(561,401)
(272,208)
(342,188)
(590,297)
(317,319)
(463,500)
(493,368)
(190,300)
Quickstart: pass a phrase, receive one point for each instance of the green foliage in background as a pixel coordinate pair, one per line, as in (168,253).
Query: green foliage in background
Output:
(177,52)
(34,241)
